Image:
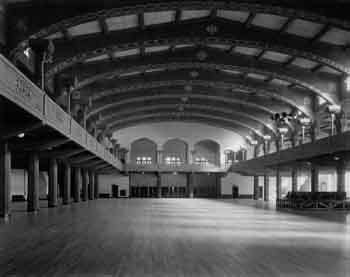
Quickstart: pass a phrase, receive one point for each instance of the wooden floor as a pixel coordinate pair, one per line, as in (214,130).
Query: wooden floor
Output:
(174,237)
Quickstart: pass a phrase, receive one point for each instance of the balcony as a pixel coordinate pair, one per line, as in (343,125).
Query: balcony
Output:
(180,168)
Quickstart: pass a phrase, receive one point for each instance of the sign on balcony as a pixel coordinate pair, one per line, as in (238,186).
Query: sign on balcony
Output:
(19,89)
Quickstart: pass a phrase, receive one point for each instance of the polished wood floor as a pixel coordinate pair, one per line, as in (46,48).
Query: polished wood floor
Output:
(174,237)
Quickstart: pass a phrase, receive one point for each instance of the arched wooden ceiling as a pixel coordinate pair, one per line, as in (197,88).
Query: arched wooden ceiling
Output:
(264,56)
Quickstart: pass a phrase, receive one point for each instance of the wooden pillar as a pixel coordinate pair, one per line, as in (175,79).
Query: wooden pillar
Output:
(256,188)
(77,184)
(96,189)
(85,185)
(218,186)
(266,188)
(3,26)
(5,181)
(91,186)
(33,183)
(314,178)
(66,184)
(190,185)
(294,179)
(341,169)
(159,185)
(278,184)
(53,186)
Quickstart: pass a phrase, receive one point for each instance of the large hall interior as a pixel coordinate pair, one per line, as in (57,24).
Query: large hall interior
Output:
(175,138)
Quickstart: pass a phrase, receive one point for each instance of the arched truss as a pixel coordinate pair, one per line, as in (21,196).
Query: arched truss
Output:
(217,82)
(108,105)
(230,124)
(96,58)
(256,122)
(325,86)
(261,38)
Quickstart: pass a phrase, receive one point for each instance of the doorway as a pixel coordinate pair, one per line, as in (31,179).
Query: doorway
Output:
(115,191)
(235,191)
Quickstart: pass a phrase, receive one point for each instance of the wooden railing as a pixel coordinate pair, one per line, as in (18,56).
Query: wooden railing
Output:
(174,168)
(17,88)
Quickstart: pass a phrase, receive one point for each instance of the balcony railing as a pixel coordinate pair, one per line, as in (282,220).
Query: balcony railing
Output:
(20,90)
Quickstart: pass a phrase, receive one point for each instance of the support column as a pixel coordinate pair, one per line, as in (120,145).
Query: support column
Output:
(266,188)
(159,185)
(66,184)
(341,169)
(190,185)
(96,189)
(33,183)
(314,178)
(91,186)
(85,185)
(294,179)
(5,181)
(53,186)
(218,186)
(278,184)
(159,156)
(256,188)
(3,26)
(77,184)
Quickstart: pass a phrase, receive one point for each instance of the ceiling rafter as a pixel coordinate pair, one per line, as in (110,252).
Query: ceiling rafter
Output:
(160,6)
(267,107)
(225,84)
(249,20)
(169,118)
(103,25)
(170,34)
(258,125)
(323,86)
(218,121)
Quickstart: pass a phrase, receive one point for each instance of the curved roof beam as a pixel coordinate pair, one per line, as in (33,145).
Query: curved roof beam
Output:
(138,8)
(224,112)
(220,81)
(76,50)
(266,106)
(169,118)
(324,86)
(218,121)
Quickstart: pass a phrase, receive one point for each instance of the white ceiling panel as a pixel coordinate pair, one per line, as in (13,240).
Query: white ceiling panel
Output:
(247,50)
(304,28)
(130,52)
(57,35)
(129,74)
(97,58)
(191,14)
(122,22)
(152,18)
(156,48)
(275,56)
(280,82)
(233,15)
(329,70)
(269,21)
(336,36)
(304,63)
(179,46)
(91,27)
(257,76)
(234,72)
(220,46)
